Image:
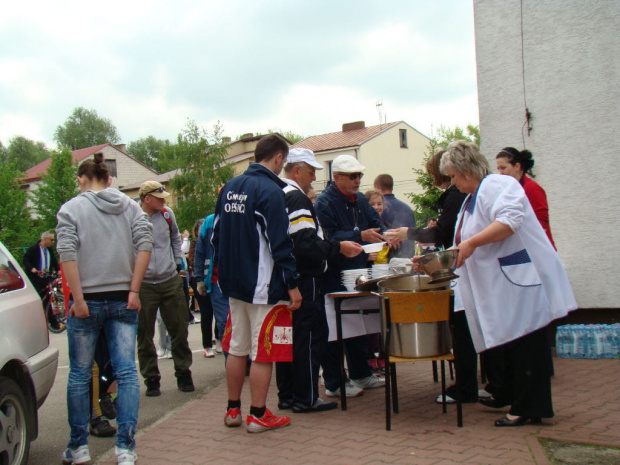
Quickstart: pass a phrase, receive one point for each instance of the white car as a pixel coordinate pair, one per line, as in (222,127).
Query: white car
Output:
(27,362)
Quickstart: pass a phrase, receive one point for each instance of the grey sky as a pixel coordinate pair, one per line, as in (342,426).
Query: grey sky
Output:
(305,66)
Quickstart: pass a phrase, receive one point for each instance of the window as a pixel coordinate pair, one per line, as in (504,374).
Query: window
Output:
(111,164)
(402,133)
(9,276)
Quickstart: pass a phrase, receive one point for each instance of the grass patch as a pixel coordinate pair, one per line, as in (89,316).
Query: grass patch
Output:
(575,453)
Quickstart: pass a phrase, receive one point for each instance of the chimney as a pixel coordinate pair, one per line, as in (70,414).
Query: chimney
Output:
(353,126)
(121,147)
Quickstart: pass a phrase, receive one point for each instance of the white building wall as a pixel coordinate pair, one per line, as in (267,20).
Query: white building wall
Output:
(384,155)
(570,72)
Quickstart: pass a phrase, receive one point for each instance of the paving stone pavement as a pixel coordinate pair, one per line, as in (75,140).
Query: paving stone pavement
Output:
(586,396)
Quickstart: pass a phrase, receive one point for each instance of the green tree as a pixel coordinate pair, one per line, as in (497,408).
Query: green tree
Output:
(201,159)
(15,221)
(290,135)
(85,128)
(426,202)
(148,150)
(55,188)
(24,152)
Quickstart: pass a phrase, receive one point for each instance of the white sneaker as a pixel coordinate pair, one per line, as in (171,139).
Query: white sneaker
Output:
(218,347)
(350,389)
(125,456)
(79,455)
(482,393)
(370,382)
(449,400)
(160,353)
(208,352)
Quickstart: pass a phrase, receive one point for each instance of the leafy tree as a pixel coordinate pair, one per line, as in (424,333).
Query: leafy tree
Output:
(15,221)
(290,135)
(85,128)
(148,150)
(426,203)
(201,158)
(56,187)
(24,152)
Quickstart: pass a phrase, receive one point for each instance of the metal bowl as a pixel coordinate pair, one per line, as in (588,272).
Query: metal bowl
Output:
(440,265)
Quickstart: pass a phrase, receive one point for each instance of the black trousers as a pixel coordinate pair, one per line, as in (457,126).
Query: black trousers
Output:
(519,373)
(299,380)
(465,359)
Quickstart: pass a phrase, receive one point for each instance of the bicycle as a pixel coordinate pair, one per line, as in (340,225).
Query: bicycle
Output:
(54,303)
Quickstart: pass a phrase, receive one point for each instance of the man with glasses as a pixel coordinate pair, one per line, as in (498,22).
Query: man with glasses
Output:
(298,381)
(346,215)
(38,261)
(162,289)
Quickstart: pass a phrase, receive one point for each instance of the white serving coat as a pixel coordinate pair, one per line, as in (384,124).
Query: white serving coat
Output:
(512,287)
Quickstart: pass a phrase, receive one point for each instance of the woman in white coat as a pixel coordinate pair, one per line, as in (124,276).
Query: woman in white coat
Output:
(513,283)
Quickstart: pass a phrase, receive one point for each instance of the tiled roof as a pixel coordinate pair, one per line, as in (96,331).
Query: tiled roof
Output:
(339,140)
(34,173)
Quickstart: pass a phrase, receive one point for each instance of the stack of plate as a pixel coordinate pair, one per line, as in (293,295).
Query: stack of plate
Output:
(350,276)
(380,270)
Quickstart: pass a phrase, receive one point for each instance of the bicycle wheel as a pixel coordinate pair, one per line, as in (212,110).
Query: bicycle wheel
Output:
(57,311)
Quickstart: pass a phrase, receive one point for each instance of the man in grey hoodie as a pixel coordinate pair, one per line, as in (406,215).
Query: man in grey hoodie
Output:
(163,289)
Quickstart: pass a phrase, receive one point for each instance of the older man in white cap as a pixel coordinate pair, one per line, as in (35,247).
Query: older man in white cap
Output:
(162,289)
(346,215)
(298,385)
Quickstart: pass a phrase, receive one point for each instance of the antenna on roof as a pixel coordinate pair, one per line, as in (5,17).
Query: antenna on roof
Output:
(379,106)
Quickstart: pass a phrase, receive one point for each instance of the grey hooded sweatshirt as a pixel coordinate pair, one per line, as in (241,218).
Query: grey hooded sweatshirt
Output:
(103,231)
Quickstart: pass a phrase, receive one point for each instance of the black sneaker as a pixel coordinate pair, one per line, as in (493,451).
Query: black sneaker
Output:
(107,406)
(101,428)
(152,387)
(185,383)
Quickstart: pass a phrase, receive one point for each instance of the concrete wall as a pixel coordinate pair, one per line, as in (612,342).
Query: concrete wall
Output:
(570,72)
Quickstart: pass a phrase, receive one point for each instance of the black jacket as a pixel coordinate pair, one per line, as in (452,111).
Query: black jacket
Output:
(311,249)
(344,219)
(449,206)
(32,259)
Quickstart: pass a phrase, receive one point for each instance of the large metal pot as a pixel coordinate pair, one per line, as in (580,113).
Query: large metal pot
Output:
(415,340)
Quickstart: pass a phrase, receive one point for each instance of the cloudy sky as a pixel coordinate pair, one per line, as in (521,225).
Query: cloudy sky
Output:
(303,66)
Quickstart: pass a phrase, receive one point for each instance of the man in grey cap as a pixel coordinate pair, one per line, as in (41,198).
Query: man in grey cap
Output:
(162,289)
(298,381)
(345,214)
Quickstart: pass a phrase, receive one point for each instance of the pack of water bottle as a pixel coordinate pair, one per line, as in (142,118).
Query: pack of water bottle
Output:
(588,341)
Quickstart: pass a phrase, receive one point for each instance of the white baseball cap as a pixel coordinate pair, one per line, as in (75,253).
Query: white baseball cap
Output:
(298,155)
(346,164)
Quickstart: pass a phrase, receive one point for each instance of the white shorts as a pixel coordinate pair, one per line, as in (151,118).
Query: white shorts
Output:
(264,332)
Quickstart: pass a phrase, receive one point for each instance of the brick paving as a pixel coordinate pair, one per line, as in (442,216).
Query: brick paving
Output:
(586,402)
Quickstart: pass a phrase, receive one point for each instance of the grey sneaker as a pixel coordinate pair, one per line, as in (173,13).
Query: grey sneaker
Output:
(125,456)
(350,389)
(370,382)
(81,455)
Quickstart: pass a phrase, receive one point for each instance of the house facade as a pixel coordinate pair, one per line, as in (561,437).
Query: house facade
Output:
(560,61)
(124,169)
(132,190)
(392,148)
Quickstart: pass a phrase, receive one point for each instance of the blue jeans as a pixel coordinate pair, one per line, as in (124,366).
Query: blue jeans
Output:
(220,309)
(120,326)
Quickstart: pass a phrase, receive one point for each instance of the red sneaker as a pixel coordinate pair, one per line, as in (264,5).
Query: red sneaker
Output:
(266,422)
(233,417)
